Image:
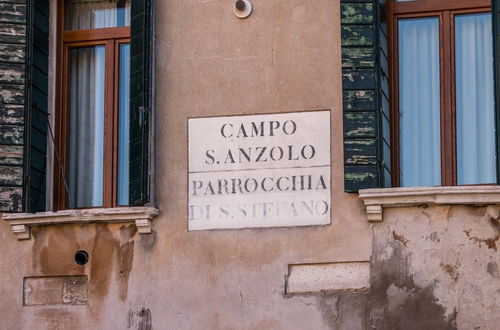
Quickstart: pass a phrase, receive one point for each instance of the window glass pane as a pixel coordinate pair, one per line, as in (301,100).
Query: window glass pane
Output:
(419,102)
(86,126)
(123,130)
(96,14)
(476,162)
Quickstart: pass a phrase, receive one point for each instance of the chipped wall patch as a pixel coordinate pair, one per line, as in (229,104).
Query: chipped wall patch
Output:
(55,290)
(326,277)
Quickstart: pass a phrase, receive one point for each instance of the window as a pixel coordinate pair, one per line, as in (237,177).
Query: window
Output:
(443,93)
(104,42)
(93,112)
(102,109)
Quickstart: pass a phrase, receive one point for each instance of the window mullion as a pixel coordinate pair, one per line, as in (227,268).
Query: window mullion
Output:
(447,104)
(109,124)
(116,110)
(451,82)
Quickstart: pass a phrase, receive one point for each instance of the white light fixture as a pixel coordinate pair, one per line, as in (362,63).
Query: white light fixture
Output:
(242,8)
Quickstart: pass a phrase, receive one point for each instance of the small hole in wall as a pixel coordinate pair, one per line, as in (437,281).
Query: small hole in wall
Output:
(81,257)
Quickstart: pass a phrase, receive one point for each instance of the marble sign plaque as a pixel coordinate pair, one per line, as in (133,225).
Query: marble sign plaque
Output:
(259,171)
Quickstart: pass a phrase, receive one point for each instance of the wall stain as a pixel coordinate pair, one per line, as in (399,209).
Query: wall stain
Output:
(328,306)
(400,238)
(126,258)
(101,262)
(148,242)
(341,310)
(434,237)
(344,309)
(495,222)
(449,212)
(143,318)
(53,251)
(475,211)
(451,271)
(415,307)
(491,243)
(54,248)
(492,269)
(130,318)
(111,254)
(405,306)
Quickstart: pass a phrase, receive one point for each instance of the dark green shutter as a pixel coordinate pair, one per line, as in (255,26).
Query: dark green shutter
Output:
(37,58)
(365,95)
(496,59)
(23,104)
(140,100)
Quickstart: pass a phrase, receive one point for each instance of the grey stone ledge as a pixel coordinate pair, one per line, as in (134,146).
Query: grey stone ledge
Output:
(377,199)
(21,222)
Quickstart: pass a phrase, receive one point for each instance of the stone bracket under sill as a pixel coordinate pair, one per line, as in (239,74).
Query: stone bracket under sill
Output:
(20,223)
(377,199)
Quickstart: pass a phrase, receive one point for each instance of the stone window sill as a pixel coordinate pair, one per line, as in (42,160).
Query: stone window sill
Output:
(21,222)
(377,199)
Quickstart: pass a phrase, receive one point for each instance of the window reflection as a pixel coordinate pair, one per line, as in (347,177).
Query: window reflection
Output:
(88,14)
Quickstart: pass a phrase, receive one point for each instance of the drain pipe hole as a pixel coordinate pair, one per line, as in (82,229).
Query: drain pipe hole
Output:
(81,257)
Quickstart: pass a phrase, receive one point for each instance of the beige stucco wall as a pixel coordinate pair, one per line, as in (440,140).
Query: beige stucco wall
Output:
(285,57)
(431,267)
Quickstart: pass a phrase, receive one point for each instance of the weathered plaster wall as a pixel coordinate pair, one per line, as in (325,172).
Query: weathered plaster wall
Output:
(436,268)
(285,57)
(431,268)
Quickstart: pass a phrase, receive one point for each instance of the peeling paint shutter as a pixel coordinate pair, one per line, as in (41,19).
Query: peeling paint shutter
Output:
(496,59)
(365,95)
(23,104)
(140,100)
(37,59)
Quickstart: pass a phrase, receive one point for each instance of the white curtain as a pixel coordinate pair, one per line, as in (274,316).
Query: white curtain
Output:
(419,102)
(476,161)
(86,130)
(82,15)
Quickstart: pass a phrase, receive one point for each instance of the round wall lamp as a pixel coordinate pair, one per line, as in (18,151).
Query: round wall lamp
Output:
(242,8)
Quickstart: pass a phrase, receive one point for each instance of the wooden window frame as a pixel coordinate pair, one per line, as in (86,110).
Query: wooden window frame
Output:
(446,12)
(111,38)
